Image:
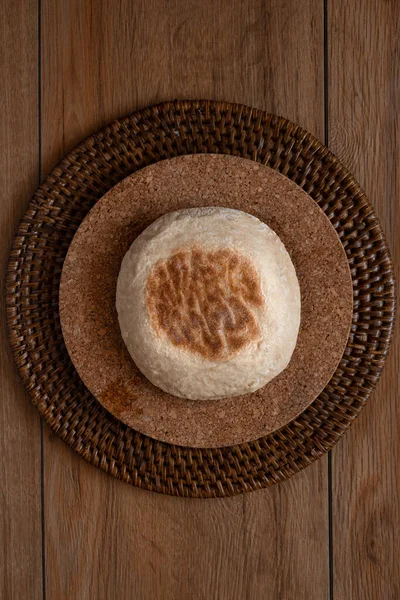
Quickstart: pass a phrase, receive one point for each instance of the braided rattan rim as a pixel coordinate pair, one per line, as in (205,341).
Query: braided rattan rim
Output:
(55,212)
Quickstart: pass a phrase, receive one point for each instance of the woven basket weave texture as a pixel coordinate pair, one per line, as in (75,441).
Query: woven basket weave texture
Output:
(56,211)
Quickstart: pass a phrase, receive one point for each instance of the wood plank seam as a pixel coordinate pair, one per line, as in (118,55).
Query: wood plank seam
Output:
(330,458)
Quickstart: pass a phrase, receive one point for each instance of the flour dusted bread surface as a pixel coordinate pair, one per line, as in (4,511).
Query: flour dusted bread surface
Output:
(208,303)
(205,301)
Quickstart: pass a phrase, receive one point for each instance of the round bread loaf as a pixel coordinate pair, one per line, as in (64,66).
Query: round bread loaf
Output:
(208,303)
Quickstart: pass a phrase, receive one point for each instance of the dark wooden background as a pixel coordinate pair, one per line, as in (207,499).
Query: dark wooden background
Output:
(67,530)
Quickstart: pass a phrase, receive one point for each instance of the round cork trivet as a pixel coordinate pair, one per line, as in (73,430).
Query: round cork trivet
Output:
(89,319)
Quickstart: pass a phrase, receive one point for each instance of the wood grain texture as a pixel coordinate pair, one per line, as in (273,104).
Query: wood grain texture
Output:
(364,127)
(100,60)
(20,445)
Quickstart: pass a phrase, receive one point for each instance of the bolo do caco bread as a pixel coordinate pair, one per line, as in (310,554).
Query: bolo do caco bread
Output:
(208,303)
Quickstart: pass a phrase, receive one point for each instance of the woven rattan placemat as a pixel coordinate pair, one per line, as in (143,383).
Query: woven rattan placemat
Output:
(54,214)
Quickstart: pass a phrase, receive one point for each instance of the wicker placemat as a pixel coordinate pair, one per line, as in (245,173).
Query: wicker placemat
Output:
(54,214)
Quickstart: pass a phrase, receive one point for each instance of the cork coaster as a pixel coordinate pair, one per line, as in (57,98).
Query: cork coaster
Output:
(89,319)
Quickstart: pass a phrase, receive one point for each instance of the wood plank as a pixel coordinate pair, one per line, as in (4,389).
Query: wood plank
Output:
(101,60)
(20,443)
(364,75)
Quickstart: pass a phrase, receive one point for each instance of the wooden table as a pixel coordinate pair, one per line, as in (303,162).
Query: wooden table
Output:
(69,531)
